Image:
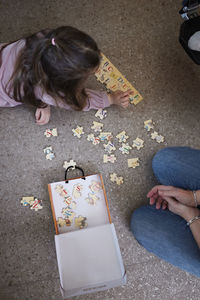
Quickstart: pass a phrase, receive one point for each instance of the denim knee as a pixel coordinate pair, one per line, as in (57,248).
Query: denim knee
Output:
(163,164)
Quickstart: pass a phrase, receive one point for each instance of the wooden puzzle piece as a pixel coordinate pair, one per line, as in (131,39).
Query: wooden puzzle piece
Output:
(68,164)
(36,205)
(105,136)
(51,132)
(97,126)
(77,188)
(94,139)
(133,162)
(118,179)
(27,200)
(78,131)
(109,147)
(125,148)
(122,137)
(148,125)
(49,153)
(109,158)
(80,222)
(159,138)
(113,177)
(61,222)
(101,113)
(138,143)
(92,198)
(114,80)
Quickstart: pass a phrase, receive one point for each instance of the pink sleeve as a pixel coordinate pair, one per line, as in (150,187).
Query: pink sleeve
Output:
(96,99)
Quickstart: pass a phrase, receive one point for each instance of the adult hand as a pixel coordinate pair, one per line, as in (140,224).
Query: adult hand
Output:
(158,194)
(120,98)
(42,115)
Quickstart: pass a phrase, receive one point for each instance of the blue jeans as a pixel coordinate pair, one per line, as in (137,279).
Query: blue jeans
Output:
(160,231)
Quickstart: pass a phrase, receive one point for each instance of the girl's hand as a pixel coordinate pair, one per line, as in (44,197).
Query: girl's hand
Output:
(42,115)
(120,98)
(159,192)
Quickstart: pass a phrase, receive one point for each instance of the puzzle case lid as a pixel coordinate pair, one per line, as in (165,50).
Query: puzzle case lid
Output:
(89,257)
(106,218)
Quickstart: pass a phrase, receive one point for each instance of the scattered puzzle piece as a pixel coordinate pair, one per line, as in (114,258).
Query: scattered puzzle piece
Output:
(133,162)
(27,200)
(94,139)
(36,205)
(109,147)
(114,178)
(78,131)
(125,148)
(97,126)
(122,137)
(101,113)
(157,137)
(109,158)
(119,180)
(138,143)
(68,164)
(51,132)
(49,153)
(148,125)
(105,136)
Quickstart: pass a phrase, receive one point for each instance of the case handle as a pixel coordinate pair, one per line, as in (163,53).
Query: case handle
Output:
(74,167)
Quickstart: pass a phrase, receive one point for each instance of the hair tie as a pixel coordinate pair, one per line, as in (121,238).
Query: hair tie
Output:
(53,42)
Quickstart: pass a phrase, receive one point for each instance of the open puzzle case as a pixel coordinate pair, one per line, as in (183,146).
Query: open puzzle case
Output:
(87,248)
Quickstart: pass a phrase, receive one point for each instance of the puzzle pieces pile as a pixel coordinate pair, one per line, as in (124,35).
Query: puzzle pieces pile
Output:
(122,137)
(70,201)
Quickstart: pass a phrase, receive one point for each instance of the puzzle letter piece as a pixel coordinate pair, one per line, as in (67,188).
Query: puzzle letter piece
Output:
(148,125)
(109,147)
(122,137)
(97,126)
(157,137)
(101,113)
(49,153)
(68,164)
(109,158)
(36,205)
(51,132)
(105,136)
(125,148)
(78,131)
(80,222)
(138,143)
(77,190)
(133,162)
(27,201)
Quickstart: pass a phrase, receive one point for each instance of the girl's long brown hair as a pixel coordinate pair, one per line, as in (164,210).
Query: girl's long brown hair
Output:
(60,69)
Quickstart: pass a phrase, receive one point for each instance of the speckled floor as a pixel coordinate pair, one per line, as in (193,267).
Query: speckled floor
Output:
(141,39)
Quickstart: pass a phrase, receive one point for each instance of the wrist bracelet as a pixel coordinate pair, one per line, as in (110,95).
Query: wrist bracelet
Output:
(195,198)
(192,220)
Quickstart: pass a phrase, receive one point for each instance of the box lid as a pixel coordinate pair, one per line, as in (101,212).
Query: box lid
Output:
(88,257)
